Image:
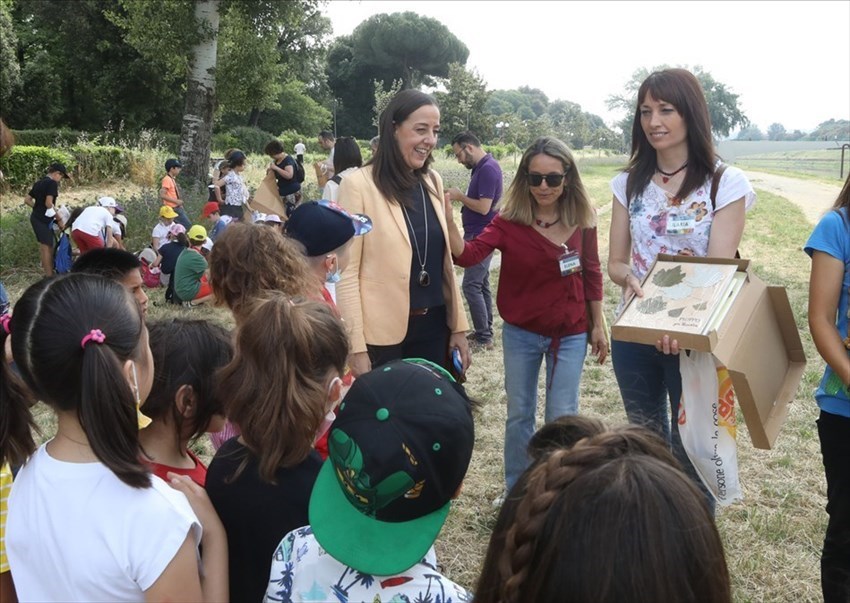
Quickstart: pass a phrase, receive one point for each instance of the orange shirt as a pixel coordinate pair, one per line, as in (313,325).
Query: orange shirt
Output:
(170,187)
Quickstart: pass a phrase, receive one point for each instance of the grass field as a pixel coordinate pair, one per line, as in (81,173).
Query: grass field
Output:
(822,165)
(772,538)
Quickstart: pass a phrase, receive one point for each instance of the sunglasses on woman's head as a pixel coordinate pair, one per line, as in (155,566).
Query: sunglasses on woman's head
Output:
(551,179)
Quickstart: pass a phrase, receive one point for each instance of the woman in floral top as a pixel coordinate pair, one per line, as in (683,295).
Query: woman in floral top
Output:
(662,204)
(236,191)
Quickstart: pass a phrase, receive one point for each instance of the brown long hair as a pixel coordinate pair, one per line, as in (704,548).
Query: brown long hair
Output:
(843,200)
(574,206)
(604,515)
(682,89)
(247,260)
(392,176)
(275,388)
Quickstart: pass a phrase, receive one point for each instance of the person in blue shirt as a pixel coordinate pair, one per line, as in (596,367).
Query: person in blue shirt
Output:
(829,289)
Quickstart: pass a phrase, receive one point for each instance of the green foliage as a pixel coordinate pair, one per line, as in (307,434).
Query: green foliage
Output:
(833,129)
(750,133)
(297,112)
(140,139)
(723,109)
(244,138)
(10,70)
(382,99)
(23,165)
(462,105)
(387,47)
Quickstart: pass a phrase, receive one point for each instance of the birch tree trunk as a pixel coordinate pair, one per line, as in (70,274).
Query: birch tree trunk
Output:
(196,133)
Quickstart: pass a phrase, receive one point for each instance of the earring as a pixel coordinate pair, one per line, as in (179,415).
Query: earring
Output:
(142,419)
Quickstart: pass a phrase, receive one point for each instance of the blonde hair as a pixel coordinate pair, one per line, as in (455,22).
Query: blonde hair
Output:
(574,207)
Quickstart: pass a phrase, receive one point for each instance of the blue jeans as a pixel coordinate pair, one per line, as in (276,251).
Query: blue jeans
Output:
(524,352)
(476,290)
(182,218)
(646,378)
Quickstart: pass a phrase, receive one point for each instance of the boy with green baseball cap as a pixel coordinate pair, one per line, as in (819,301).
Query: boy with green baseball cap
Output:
(398,452)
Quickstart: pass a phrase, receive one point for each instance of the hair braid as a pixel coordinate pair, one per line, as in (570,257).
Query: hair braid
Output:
(546,482)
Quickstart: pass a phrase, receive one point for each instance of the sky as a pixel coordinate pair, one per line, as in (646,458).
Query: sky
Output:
(789,61)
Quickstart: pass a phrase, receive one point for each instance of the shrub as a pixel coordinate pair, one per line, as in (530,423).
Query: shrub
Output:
(245,138)
(23,165)
(138,139)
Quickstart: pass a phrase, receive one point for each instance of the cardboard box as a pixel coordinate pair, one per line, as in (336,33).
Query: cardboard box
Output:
(757,341)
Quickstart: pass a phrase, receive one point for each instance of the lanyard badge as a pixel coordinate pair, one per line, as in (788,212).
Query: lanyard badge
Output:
(570,262)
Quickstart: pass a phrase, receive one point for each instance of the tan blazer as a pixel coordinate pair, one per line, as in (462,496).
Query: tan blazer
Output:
(374,293)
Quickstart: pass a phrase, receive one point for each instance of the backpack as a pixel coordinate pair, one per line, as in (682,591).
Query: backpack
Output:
(62,256)
(299,173)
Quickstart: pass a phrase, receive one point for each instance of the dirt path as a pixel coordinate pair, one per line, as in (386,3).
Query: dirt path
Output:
(814,198)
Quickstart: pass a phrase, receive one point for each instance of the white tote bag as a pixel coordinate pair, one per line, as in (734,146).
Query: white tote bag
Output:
(707,424)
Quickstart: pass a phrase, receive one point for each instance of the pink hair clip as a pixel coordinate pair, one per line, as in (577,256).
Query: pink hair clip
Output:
(5,320)
(95,335)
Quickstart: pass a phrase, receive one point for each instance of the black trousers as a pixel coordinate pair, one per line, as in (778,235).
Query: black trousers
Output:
(427,337)
(834,434)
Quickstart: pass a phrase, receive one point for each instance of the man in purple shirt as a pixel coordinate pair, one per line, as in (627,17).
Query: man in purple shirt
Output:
(479,207)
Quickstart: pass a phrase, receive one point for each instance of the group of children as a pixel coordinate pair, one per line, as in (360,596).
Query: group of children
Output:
(330,488)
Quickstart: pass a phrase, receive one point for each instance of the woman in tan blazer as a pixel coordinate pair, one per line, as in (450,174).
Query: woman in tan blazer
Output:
(398,296)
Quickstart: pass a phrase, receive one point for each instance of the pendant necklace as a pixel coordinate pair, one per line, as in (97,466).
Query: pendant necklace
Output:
(665,176)
(424,277)
(543,224)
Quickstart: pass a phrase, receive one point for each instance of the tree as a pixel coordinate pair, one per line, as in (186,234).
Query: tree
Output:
(462,104)
(298,112)
(750,133)
(387,47)
(196,133)
(10,70)
(776,131)
(382,99)
(723,108)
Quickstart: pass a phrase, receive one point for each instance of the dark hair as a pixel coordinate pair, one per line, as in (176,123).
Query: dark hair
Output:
(16,421)
(181,239)
(109,262)
(326,134)
(391,174)
(610,518)
(246,260)
(236,159)
(49,322)
(275,388)
(843,200)
(187,352)
(682,89)
(346,154)
(466,138)
(274,147)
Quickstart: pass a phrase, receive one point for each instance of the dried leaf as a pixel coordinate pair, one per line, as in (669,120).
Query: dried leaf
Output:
(653,305)
(669,277)
(676,313)
(701,306)
(704,276)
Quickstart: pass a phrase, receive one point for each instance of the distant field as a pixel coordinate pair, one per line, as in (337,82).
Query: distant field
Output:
(824,164)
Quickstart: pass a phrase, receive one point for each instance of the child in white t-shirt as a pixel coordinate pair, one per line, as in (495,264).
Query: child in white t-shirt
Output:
(125,535)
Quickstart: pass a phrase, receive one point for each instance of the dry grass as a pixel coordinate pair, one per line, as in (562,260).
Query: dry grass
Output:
(772,538)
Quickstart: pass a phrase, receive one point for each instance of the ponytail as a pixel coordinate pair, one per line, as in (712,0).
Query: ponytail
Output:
(16,421)
(108,416)
(275,388)
(68,372)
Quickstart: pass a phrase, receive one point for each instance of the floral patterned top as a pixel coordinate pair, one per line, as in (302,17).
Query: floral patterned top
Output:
(662,223)
(303,571)
(236,192)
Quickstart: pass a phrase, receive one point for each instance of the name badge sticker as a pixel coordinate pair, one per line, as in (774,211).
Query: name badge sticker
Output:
(680,224)
(570,262)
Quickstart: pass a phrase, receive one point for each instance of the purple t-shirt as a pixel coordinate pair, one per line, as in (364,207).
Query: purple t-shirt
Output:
(486,183)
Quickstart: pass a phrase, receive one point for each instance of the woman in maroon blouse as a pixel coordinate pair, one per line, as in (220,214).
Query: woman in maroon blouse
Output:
(550,289)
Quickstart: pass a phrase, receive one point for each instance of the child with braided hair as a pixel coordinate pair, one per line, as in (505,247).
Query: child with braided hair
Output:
(603,515)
